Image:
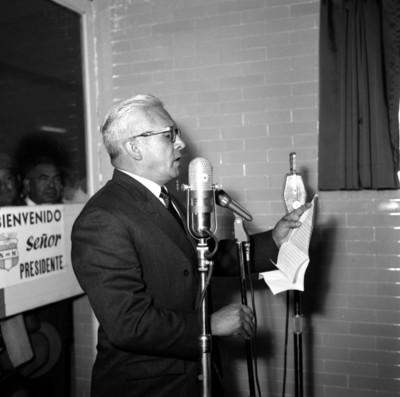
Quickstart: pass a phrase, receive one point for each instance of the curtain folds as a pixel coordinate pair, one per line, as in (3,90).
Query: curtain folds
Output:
(359,94)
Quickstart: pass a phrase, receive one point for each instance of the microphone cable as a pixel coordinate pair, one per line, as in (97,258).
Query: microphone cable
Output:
(208,255)
(254,341)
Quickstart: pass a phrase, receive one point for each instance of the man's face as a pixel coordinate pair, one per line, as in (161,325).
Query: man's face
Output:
(8,187)
(43,184)
(161,157)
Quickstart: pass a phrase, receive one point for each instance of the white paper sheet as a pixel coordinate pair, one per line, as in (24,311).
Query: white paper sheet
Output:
(293,256)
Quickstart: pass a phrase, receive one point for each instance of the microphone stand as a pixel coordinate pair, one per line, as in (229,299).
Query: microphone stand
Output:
(294,192)
(205,340)
(298,352)
(243,244)
(204,257)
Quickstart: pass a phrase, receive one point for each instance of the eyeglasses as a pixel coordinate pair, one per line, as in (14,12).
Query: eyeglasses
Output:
(172,131)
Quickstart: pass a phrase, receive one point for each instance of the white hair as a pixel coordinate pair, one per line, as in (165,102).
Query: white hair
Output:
(125,119)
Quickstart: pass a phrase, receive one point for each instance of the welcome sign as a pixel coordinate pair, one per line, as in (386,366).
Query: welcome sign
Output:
(32,243)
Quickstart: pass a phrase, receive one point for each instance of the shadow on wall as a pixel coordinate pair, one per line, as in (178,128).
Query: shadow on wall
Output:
(317,286)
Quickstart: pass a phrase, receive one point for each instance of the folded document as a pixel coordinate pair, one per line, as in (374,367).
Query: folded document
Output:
(293,256)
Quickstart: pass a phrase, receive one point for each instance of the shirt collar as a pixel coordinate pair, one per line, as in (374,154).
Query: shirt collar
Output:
(29,201)
(155,188)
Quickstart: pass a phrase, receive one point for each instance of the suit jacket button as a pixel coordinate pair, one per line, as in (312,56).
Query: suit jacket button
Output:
(186,272)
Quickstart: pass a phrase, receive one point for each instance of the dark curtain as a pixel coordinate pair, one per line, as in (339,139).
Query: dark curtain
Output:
(359,94)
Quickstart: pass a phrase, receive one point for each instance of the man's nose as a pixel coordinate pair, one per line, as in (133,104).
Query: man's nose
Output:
(179,143)
(52,182)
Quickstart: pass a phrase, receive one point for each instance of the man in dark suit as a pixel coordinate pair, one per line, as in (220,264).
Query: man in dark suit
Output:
(139,267)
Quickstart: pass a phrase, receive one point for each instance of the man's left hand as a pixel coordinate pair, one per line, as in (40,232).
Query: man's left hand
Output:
(288,222)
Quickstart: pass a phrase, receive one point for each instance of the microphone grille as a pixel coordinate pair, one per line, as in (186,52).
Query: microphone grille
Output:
(200,174)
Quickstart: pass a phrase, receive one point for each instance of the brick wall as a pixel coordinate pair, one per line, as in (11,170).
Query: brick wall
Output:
(241,80)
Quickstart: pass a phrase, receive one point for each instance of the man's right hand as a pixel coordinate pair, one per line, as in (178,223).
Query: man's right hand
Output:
(233,319)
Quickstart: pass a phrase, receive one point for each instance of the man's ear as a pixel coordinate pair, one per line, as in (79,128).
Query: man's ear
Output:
(133,150)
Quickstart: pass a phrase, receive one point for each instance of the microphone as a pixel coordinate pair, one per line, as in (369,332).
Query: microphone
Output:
(201,203)
(224,200)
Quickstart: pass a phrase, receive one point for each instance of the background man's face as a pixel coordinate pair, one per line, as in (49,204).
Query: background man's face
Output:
(8,187)
(44,184)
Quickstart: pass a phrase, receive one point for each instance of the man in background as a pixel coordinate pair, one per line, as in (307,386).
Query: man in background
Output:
(42,183)
(9,181)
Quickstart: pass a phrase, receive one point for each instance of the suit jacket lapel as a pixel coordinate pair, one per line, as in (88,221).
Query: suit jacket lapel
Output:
(145,201)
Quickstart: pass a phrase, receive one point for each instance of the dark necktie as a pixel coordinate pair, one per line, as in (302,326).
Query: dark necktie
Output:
(167,200)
